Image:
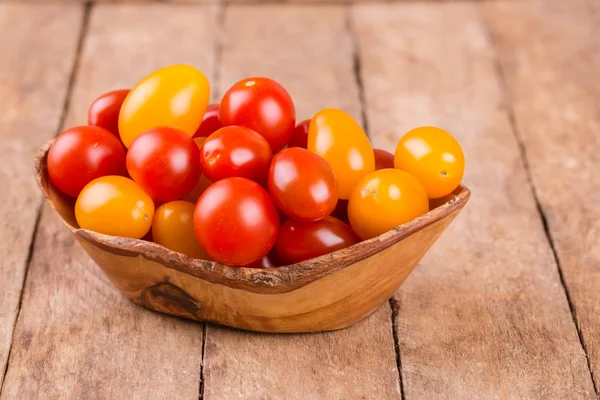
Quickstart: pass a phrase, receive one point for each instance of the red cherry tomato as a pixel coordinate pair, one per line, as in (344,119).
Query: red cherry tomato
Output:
(236,222)
(268,261)
(210,122)
(104,111)
(300,135)
(235,151)
(80,155)
(383,159)
(299,241)
(302,184)
(341,210)
(164,162)
(263,105)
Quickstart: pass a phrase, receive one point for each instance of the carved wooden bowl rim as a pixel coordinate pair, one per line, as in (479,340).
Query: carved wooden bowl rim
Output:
(274,280)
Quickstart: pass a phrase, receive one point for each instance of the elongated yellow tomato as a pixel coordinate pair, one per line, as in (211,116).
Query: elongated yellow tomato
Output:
(383,200)
(175,96)
(336,137)
(114,205)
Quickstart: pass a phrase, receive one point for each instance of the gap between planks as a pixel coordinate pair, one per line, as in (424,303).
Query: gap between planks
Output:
(508,106)
(87,7)
(218,49)
(357,70)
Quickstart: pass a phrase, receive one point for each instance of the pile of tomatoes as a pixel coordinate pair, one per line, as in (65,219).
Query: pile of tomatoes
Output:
(240,182)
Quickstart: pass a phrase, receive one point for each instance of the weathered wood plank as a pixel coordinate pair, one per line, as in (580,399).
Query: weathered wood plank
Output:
(308,50)
(77,336)
(554,92)
(485,315)
(33,93)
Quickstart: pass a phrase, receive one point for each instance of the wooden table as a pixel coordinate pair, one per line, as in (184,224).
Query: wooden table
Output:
(506,305)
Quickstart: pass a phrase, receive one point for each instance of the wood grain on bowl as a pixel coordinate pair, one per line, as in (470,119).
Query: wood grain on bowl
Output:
(326,293)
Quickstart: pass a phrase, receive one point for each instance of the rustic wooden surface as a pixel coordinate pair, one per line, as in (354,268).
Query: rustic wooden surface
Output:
(506,304)
(31,104)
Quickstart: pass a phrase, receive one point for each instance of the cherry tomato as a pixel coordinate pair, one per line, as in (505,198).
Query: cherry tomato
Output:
(341,210)
(165,162)
(80,155)
(302,184)
(236,222)
(300,135)
(210,122)
(336,137)
(235,151)
(299,241)
(174,96)
(262,105)
(434,157)
(268,261)
(383,159)
(104,111)
(383,200)
(115,205)
(173,227)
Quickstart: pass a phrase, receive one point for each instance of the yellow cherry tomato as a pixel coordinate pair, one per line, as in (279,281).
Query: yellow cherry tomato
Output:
(336,137)
(173,227)
(114,205)
(174,96)
(383,200)
(434,157)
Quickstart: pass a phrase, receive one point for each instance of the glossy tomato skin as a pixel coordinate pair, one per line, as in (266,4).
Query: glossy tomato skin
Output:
(434,157)
(81,154)
(300,135)
(236,222)
(210,122)
(165,163)
(383,159)
(173,227)
(262,105)
(174,96)
(104,111)
(336,137)
(202,183)
(302,184)
(115,205)
(299,241)
(383,200)
(235,151)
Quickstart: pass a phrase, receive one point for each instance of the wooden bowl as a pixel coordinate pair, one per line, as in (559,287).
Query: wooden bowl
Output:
(326,293)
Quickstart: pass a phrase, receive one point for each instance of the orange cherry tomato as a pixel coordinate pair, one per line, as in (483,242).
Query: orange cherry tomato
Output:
(173,227)
(174,96)
(383,200)
(336,137)
(434,157)
(114,205)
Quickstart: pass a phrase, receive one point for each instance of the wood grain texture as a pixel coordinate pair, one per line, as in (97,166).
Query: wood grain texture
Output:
(30,109)
(309,51)
(77,336)
(554,92)
(485,315)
